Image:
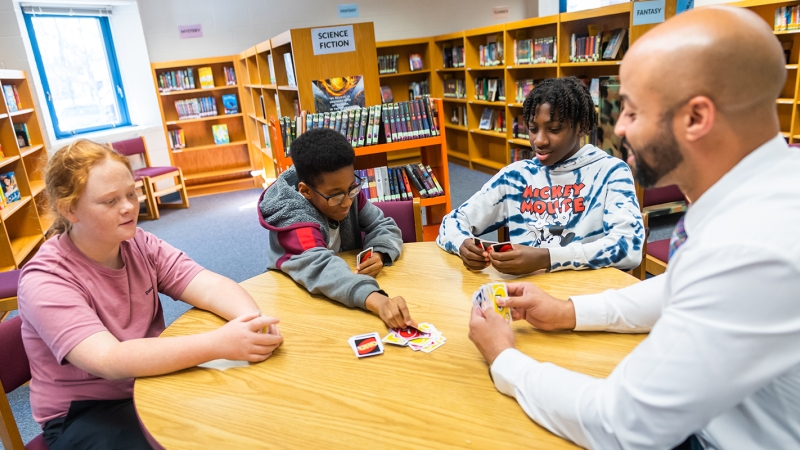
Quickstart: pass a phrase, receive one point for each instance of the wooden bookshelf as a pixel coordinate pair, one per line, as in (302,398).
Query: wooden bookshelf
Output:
(400,82)
(431,151)
(210,168)
(457,142)
(24,221)
(787,104)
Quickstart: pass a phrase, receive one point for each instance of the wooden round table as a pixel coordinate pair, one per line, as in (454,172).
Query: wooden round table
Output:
(314,393)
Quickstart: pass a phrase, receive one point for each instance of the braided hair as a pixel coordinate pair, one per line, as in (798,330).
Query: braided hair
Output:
(568,96)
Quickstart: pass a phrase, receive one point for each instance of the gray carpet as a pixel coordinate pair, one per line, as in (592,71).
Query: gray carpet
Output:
(221,232)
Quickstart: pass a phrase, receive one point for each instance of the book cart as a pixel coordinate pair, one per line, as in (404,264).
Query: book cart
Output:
(208,167)
(23,222)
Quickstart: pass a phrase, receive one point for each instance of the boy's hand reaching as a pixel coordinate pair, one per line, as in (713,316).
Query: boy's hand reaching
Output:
(393,311)
(371,266)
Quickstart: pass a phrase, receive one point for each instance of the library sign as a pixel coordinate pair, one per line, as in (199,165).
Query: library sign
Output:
(333,40)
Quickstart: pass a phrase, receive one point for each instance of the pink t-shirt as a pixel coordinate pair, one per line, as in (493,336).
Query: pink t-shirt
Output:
(65,297)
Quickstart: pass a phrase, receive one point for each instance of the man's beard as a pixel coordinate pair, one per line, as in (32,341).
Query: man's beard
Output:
(663,149)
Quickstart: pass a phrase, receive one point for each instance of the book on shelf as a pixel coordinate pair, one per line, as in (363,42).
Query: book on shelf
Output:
(177,140)
(491,54)
(523,88)
(459,116)
(338,94)
(290,78)
(387,64)
(176,80)
(230,104)
(12,97)
(389,184)
(455,88)
(519,154)
(271,69)
(220,133)
(277,105)
(520,128)
(535,51)
(386,94)
(453,56)
(490,89)
(8,183)
(195,108)
(493,120)
(263,106)
(418,89)
(206,77)
(23,137)
(415,62)
(230,76)
(787,18)
(607,45)
(385,123)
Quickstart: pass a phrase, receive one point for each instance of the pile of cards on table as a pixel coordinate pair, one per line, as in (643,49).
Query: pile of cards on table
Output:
(490,293)
(366,344)
(425,337)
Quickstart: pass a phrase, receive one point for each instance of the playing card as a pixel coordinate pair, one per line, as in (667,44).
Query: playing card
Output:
(363,256)
(497,290)
(392,338)
(427,328)
(366,345)
(502,247)
(434,344)
(409,333)
(487,244)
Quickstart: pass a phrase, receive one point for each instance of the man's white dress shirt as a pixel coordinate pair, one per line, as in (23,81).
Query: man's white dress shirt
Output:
(723,356)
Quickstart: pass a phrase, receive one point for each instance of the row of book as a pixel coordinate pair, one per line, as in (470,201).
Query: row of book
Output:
(519,128)
(12,97)
(521,153)
(523,88)
(787,18)
(491,54)
(607,45)
(455,88)
(194,108)
(392,122)
(177,140)
(490,89)
(454,57)
(183,79)
(230,76)
(459,116)
(419,89)
(23,137)
(535,51)
(9,190)
(493,120)
(387,64)
(388,184)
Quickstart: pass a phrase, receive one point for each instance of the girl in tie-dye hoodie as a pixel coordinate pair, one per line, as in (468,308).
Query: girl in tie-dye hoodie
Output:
(570,207)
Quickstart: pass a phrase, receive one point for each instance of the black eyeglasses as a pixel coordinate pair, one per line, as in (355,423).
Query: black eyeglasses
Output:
(337,199)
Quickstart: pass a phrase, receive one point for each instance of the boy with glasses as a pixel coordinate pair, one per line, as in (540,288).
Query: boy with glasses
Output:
(316,209)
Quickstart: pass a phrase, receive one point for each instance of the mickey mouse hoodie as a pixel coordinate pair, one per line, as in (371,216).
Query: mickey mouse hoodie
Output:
(584,210)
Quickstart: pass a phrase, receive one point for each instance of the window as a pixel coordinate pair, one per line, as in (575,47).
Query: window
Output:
(78,68)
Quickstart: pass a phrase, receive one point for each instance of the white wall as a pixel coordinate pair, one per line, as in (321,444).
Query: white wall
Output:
(234,25)
(548,7)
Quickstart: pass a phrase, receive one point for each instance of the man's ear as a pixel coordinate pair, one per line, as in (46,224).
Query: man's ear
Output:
(700,117)
(304,190)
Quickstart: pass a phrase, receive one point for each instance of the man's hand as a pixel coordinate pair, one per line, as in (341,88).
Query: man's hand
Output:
(540,309)
(521,260)
(242,338)
(473,257)
(393,311)
(371,266)
(489,332)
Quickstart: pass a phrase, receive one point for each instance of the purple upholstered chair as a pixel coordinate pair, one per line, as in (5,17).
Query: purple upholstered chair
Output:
(8,292)
(408,216)
(148,177)
(14,372)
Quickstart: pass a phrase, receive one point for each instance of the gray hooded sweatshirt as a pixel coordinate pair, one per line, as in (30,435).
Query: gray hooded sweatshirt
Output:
(298,241)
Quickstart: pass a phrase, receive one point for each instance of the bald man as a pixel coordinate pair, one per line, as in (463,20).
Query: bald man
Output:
(721,366)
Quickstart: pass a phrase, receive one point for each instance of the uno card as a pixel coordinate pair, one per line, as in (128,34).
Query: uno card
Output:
(366,345)
(502,247)
(434,344)
(409,333)
(497,290)
(478,243)
(394,339)
(363,256)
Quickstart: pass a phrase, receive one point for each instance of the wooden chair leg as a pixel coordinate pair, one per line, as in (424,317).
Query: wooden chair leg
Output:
(152,206)
(418,220)
(182,192)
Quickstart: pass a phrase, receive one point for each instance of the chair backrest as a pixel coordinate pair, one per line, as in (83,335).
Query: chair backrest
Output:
(14,372)
(133,147)
(407,216)
(666,194)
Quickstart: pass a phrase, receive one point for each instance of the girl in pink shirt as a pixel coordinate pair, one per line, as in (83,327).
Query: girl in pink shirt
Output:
(90,308)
